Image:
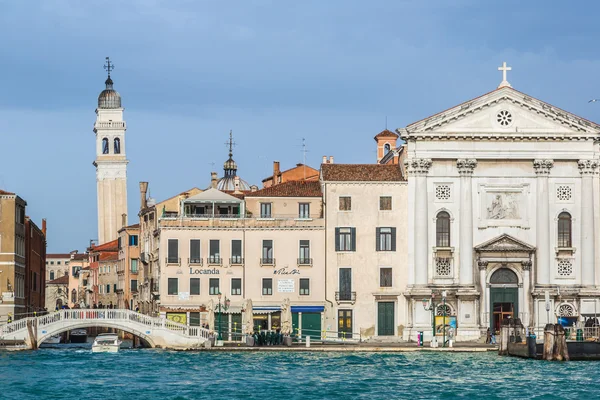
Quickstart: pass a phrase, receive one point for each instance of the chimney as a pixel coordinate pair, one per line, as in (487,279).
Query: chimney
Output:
(330,159)
(143,191)
(236,185)
(124,220)
(253,188)
(276,172)
(213,180)
(44,226)
(324,159)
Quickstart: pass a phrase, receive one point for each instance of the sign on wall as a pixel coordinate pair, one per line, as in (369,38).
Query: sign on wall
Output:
(285,286)
(184,295)
(177,317)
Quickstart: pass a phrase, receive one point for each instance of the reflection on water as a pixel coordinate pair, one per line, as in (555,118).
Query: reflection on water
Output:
(71,371)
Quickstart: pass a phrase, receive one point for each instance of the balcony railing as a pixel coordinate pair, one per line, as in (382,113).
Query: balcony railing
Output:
(144,258)
(345,297)
(267,261)
(237,260)
(172,260)
(214,260)
(195,261)
(305,261)
(207,216)
(228,221)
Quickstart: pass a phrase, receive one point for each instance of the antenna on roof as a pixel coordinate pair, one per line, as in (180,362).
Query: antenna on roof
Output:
(212,166)
(304,151)
(386,122)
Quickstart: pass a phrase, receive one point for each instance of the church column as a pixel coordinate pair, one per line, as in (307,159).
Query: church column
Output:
(465,246)
(588,169)
(483,308)
(542,170)
(419,167)
(526,266)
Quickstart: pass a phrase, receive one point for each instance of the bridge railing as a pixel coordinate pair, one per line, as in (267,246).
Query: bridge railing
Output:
(14,326)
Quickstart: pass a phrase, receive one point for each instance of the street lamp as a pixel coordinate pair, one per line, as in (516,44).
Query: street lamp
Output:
(429,305)
(224,308)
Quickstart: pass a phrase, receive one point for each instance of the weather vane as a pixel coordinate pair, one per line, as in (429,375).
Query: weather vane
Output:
(230,143)
(109,66)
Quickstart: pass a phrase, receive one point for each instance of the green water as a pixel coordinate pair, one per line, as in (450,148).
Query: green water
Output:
(76,373)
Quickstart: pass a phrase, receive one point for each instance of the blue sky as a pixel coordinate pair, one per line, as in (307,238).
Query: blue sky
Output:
(273,71)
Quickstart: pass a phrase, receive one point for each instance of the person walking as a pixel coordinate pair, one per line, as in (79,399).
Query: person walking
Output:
(488,336)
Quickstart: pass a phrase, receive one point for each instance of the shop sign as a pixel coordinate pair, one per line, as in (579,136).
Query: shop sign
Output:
(285,285)
(206,271)
(180,318)
(286,271)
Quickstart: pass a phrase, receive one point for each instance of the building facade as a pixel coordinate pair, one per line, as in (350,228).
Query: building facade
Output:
(128,266)
(111,162)
(503,206)
(35,266)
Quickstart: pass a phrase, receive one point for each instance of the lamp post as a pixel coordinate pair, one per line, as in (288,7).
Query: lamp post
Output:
(444,317)
(224,308)
(429,305)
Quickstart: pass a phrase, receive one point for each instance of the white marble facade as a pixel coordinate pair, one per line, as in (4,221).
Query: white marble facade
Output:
(504,167)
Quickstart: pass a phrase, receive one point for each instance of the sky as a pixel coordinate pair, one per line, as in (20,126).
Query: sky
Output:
(274,72)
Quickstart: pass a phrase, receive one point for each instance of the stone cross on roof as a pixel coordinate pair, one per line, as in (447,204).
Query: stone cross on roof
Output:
(504,69)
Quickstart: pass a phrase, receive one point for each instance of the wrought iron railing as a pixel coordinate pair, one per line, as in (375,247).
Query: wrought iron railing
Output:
(345,296)
(172,260)
(267,261)
(237,260)
(305,261)
(195,261)
(214,260)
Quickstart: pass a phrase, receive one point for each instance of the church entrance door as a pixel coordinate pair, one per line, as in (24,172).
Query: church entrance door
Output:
(504,297)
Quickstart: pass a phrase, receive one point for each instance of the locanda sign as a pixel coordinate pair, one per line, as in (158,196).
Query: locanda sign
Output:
(285,271)
(207,271)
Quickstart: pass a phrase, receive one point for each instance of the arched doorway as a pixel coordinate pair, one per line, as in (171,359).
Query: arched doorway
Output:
(504,297)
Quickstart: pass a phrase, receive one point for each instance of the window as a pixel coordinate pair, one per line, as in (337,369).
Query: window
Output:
(442,229)
(51,275)
(119,242)
(214,252)
(51,262)
(304,210)
(173,286)
(385,277)
(267,286)
(385,239)
(34,279)
(107,288)
(133,285)
(173,251)
(213,286)
(133,240)
(194,286)
(58,263)
(236,286)
(345,203)
(564,229)
(304,286)
(115,287)
(105,146)
(195,251)
(386,148)
(385,203)
(117,146)
(304,256)
(345,284)
(194,319)
(236,252)
(107,269)
(265,210)
(134,266)
(345,239)
(267,252)
(73,296)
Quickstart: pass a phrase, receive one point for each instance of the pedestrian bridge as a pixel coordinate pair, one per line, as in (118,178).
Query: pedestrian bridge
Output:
(157,332)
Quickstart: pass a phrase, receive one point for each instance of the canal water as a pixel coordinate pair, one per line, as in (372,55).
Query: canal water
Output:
(76,373)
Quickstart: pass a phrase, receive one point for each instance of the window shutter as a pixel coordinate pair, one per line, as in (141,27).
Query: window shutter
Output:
(337,239)
(353,239)
(377,239)
(393,239)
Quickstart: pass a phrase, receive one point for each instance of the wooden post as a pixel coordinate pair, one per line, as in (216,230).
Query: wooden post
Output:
(504,334)
(548,342)
(562,351)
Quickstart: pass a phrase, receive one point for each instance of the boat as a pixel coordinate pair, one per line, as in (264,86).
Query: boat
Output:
(53,340)
(106,343)
(78,336)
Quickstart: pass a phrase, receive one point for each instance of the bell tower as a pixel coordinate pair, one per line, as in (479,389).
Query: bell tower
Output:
(111,162)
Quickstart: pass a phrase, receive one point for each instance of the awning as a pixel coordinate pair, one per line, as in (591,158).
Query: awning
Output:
(265,309)
(230,310)
(308,309)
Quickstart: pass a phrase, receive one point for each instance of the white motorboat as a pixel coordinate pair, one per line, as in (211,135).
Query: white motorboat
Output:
(106,343)
(53,340)
(78,336)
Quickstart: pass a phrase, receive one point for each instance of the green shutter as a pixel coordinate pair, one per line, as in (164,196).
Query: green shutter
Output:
(337,239)
(377,239)
(353,239)
(393,239)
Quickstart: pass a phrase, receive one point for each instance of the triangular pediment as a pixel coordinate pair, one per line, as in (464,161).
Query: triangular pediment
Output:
(505,112)
(504,243)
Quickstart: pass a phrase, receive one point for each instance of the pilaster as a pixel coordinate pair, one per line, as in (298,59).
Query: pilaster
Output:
(542,170)
(419,168)
(587,168)
(465,169)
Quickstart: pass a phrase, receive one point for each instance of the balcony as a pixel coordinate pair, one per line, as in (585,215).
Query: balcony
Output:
(305,261)
(267,261)
(172,261)
(214,260)
(345,297)
(144,258)
(236,260)
(195,261)
(227,221)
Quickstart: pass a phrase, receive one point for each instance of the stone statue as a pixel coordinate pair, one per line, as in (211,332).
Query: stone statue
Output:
(504,206)
(286,318)
(210,309)
(496,210)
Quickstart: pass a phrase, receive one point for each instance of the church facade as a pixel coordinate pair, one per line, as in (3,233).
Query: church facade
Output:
(503,199)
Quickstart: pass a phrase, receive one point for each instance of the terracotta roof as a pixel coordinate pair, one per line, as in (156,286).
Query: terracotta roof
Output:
(290,189)
(291,169)
(58,255)
(63,280)
(386,133)
(83,256)
(361,172)
(4,192)
(108,246)
(109,256)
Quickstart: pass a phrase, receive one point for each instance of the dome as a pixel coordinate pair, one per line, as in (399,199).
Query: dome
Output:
(109,98)
(228,183)
(229,164)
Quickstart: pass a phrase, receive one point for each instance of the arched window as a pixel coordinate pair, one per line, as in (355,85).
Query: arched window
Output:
(51,275)
(386,148)
(73,296)
(564,229)
(442,229)
(117,146)
(105,146)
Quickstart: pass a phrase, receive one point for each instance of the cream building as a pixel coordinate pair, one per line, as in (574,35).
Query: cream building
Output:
(504,208)
(366,240)
(111,162)
(128,266)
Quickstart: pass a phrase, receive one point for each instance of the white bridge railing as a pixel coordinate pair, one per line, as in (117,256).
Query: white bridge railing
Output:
(123,317)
